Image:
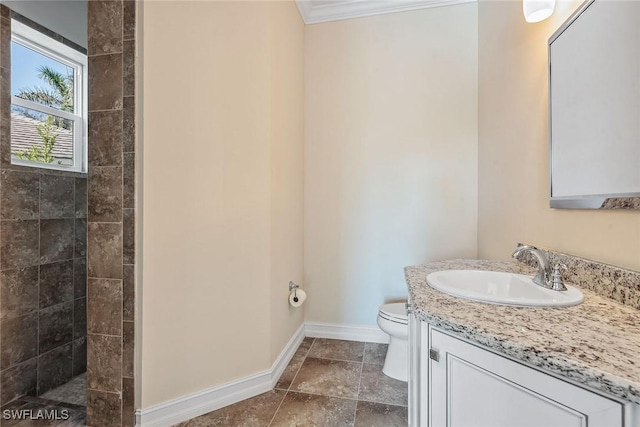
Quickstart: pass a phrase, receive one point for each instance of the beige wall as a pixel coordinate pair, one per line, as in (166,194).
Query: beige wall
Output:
(218,203)
(513,149)
(415,136)
(390,155)
(287,165)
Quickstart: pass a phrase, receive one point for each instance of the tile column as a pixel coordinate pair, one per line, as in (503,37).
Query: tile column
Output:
(111,213)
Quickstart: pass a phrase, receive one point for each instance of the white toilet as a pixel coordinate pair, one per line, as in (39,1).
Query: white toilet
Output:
(392,319)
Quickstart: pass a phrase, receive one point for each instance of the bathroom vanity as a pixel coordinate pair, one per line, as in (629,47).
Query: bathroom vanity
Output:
(477,364)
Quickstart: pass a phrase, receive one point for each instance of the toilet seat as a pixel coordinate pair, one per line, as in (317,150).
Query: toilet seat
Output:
(395,312)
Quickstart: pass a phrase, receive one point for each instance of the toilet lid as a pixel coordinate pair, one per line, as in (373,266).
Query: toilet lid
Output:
(396,310)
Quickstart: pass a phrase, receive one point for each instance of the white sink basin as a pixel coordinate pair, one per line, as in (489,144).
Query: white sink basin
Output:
(501,288)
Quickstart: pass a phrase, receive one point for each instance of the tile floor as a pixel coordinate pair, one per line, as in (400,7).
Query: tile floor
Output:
(67,402)
(30,411)
(74,391)
(328,383)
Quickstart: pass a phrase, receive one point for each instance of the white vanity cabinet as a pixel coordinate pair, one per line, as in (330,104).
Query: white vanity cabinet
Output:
(454,383)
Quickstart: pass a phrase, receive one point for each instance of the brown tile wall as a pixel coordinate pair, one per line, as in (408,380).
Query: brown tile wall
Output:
(41,245)
(111,213)
(43,233)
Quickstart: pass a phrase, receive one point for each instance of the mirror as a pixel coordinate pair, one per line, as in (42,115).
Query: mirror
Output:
(594,103)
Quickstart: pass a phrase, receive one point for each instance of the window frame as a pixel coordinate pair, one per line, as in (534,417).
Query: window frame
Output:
(51,48)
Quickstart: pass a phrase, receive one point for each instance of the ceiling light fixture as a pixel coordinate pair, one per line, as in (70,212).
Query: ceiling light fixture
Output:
(537,10)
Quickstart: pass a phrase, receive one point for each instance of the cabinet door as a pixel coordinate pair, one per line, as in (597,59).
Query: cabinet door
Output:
(473,387)
(414,368)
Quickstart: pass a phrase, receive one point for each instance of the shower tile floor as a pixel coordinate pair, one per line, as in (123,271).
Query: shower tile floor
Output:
(328,383)
(29,411)
(68,402)
(74,391)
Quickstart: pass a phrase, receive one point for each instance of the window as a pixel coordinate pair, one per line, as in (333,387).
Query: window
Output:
(48,102)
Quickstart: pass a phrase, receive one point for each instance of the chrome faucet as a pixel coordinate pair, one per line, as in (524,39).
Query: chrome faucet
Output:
(543,277)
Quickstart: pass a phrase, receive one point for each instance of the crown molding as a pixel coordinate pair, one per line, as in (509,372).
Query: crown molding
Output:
(316,11)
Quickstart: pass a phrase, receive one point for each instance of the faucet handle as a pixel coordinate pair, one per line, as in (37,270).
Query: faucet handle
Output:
(556,278)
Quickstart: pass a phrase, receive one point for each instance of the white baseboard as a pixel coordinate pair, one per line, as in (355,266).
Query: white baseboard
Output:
(346,332)
(285,355)
(193,405)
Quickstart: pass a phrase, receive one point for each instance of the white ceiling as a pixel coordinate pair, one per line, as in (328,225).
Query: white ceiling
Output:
(314,11)
(65,17)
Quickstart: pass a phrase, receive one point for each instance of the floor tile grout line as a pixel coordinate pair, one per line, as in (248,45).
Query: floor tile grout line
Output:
(355,414)
(292,380)
(337,360)
(376,401)
(323,358)
(360,380)
(346,341)
(383,403)
(304,359)
(278,408)
(309,349)
(374,364)
(326,395)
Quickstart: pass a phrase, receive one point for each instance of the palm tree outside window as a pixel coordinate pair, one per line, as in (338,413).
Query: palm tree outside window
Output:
(48,102)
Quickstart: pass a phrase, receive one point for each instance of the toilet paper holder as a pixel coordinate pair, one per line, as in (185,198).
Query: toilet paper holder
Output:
(293,287)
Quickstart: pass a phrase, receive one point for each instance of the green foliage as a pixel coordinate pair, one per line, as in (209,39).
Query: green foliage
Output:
(42,153)
(58,94)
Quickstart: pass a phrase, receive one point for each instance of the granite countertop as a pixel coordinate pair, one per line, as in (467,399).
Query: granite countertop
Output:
(596,343)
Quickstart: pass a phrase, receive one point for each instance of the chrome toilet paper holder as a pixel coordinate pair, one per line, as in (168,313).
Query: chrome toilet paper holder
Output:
(293,287)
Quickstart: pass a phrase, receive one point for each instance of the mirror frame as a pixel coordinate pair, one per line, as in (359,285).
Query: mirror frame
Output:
(596,201)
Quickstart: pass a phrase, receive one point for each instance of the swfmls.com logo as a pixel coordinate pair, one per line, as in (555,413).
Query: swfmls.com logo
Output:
(35,414)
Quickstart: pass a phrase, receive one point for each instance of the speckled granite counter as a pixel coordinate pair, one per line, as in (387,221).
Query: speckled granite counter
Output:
(596,343)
